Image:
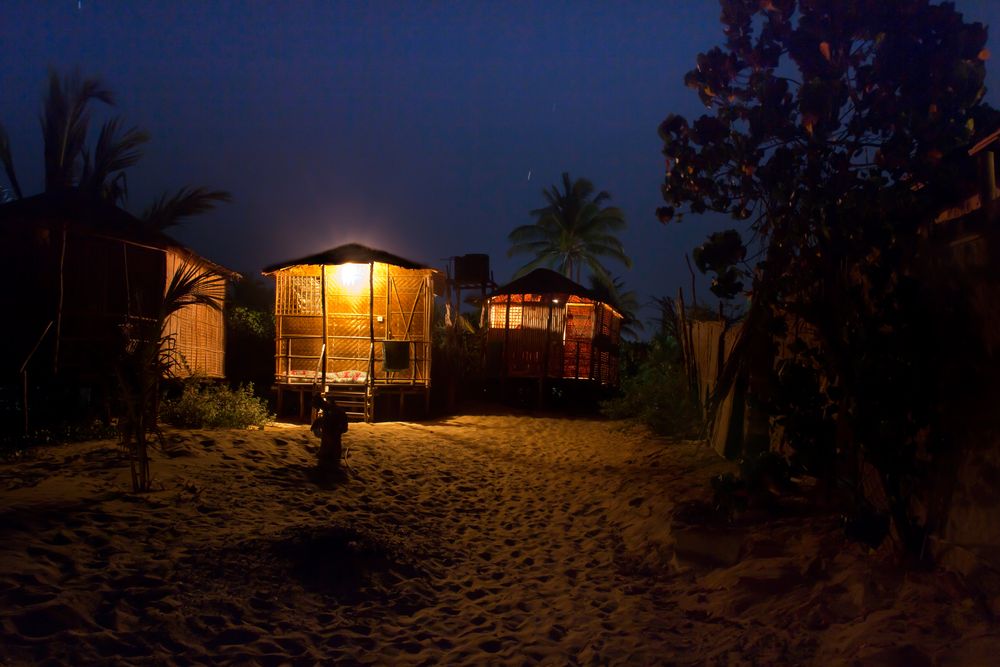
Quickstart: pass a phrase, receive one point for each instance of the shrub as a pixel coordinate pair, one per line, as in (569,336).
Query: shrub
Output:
(656,393)
(203,405)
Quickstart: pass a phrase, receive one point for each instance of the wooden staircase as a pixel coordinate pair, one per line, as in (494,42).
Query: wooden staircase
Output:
(353,399)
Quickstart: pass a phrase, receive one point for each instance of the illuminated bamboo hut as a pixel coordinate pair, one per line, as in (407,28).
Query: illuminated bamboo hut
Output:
(546,326)
(355,322)
(88,273)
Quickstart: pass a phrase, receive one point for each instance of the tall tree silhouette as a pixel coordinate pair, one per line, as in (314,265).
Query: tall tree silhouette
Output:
(100,173)
(574,230)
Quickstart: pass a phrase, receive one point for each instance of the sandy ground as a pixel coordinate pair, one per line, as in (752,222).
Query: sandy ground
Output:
(487,539)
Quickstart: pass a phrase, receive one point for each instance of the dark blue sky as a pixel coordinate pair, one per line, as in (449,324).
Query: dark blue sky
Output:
(407,126)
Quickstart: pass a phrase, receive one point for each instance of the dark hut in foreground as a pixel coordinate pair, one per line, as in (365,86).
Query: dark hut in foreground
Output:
(354,322)
(86,274)
(546,326)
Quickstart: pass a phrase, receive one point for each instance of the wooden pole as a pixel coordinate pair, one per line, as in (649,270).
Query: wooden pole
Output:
(545,357)
(59,304)
(686,352)
(326,339)
(506,355)
(694,294)
(371,336)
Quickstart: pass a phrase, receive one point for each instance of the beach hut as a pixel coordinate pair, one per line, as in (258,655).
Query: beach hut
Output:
(546,326)
(355,323)
(87,273)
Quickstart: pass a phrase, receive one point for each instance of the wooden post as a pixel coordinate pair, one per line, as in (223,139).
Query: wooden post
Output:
(722,348)
(545,357)
(506,357)
(370,412)
(686,352)
(326,340)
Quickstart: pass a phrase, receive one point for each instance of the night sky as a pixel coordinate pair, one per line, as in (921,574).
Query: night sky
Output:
(411,127)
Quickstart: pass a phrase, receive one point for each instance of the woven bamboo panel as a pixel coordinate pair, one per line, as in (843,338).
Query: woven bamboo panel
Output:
(198,330)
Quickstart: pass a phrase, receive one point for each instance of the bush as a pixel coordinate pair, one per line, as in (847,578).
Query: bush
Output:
(203,405)
(656,393)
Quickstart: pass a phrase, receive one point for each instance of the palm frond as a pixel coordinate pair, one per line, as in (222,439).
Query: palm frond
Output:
(192,285)
(186,202)
(65,119)
(116,151)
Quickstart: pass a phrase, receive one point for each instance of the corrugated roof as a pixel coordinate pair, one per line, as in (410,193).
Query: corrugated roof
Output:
(351,253)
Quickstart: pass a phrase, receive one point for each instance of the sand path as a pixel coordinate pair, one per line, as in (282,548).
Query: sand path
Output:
(479,539)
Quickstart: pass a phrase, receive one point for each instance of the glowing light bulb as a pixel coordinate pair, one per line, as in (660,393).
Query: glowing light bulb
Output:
(350,274)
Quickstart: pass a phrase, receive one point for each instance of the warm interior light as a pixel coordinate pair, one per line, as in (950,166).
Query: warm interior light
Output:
(555,300)
(350,275)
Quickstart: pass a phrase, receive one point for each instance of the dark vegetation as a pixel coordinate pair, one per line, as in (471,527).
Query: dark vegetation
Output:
(96,168)
(205,404)
(655,390)
(249,319)
(835,132)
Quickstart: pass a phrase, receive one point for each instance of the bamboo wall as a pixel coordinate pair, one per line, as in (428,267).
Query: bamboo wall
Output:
(198,330)
(396,308)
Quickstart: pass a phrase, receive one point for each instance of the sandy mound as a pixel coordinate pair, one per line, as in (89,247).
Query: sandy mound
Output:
(496,538)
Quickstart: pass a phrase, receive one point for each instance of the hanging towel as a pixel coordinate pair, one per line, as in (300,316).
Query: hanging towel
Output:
(396,355)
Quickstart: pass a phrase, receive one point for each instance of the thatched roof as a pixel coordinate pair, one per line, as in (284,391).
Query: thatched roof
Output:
(545,281)
(351,253)
(92,216)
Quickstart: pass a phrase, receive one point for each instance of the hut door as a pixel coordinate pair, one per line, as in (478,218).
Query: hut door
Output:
(579,334)
(405,324)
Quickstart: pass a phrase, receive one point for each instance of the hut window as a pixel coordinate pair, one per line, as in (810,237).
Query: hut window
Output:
(306,296)
(579,320)
(498,315)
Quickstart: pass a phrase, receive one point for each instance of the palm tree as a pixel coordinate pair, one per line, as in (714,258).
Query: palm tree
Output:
(574,230)
(149,354)
(611,291)
(70,164)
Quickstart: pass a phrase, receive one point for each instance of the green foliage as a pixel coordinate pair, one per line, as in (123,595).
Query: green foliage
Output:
(575,229)
(655,391)
(203,405)
(251,323)
(249,319)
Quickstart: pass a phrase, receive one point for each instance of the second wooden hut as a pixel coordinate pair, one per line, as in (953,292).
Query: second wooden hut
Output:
(546,326)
